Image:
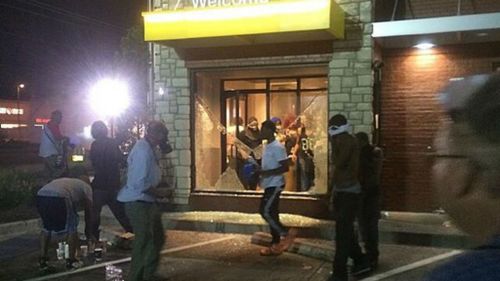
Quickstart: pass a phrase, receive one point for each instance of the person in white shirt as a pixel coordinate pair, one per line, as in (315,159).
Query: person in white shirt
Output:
(139,196)
(274,164)
(53,147)
(58,203)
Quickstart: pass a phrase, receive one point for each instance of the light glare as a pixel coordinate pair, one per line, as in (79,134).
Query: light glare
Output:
(109,97)
(424,46)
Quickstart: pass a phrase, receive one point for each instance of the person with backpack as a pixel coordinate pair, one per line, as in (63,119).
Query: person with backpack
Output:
(370,170)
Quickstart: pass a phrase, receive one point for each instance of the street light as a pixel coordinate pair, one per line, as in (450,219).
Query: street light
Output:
(18,90)
(110,98)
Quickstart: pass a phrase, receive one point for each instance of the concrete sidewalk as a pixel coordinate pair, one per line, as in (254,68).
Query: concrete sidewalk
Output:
(421,229)
(19,246)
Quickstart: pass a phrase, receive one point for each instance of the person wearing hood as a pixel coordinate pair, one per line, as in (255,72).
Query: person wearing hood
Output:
(346,191)
(251,135)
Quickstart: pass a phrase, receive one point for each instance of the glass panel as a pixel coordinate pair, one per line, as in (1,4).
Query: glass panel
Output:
(229,180)
(314,83)
(207,132)
(284,107)
(256,107)
(220,159)
(284,84)
(312,149)
(234,85)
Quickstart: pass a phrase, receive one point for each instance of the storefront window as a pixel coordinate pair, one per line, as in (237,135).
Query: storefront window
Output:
(229,113)
(283,84)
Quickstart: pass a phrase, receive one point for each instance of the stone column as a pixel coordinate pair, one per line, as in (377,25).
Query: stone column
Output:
(173,107)
(350,74)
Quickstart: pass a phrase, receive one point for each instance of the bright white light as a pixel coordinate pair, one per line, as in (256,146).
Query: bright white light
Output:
(109,97)
(12,126)
(161,92)
(424,46)
(86,132)
(21,86)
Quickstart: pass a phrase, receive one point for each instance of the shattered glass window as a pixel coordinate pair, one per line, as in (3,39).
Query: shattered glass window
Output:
(229,113)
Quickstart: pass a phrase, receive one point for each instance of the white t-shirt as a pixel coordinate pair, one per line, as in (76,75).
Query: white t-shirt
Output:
(274,153)
(75,190)
(48,144)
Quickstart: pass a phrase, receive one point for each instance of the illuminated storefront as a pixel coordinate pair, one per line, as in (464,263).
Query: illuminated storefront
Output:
(14,119)
(222,66)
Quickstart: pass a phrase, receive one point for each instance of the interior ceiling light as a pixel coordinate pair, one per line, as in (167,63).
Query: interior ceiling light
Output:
(481,34)
(424,46)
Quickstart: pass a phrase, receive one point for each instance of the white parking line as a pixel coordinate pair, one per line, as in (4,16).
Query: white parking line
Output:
(95,266)
(411,266)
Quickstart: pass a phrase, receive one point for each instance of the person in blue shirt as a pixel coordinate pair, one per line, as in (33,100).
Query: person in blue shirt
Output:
(466,174)
(274,165)
(139,195)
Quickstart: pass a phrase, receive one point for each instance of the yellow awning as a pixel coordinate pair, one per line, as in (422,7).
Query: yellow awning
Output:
(273,22)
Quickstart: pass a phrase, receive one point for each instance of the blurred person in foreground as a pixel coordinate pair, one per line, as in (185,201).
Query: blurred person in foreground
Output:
(370,170)
(58,203)
(106,158)
(140,195)
(466,174)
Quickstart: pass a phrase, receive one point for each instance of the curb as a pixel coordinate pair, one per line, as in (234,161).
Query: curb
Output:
(391,232)
(12,229)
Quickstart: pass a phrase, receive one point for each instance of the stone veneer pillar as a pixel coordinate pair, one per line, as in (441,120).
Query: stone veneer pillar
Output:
(173,107)
(350,75)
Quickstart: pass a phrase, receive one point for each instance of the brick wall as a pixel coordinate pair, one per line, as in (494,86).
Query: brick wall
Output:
(410,115)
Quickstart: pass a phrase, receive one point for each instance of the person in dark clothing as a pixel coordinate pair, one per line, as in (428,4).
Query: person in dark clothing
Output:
(251,138)
(346,192)
(370,169)
(106,157)
(305,156)
(251,135)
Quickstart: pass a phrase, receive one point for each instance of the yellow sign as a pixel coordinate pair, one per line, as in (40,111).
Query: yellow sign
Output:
(258,18)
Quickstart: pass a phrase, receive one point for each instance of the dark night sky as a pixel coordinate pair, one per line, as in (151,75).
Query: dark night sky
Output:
(58,46)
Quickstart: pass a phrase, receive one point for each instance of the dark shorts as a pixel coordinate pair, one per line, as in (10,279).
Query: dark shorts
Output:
(57,215)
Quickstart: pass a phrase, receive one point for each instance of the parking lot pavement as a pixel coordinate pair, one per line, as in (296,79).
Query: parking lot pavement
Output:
(210,256)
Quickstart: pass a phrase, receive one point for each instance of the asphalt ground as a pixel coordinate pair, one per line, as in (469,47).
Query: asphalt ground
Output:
(203,256)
